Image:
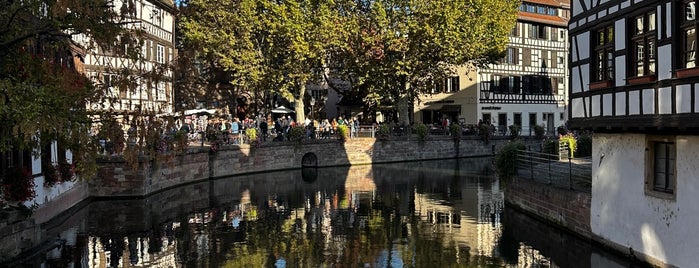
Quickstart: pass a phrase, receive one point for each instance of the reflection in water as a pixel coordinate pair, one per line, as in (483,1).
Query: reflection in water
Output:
(419,214)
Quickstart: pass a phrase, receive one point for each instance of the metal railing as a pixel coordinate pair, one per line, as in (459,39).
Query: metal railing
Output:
(555,169)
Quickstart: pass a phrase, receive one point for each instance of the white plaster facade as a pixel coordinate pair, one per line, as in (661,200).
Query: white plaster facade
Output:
(632,111)
(623,212)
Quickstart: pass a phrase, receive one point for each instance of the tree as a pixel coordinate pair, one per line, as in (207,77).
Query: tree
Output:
(226,37)
(43,92)
(396,49)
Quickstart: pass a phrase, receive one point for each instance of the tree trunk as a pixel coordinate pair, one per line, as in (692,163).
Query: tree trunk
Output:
(299,107)
(403,104)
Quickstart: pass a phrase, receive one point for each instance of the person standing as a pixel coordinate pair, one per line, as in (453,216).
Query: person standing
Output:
(263,130)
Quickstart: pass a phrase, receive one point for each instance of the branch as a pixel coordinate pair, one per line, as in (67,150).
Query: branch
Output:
(12,18)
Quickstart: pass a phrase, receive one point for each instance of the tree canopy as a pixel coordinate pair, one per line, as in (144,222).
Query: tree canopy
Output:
(389,50)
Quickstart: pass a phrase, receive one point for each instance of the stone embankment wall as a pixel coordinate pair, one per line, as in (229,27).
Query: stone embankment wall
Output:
(562,207)
(116,179)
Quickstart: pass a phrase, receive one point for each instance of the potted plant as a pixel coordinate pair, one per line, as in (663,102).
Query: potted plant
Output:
(18,185)
(66,171)
(51,176)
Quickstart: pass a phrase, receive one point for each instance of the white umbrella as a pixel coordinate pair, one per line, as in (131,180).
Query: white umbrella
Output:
(282,110)
(199,111)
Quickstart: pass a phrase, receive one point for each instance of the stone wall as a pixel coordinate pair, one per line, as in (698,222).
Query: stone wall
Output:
(564,208)
(116,179)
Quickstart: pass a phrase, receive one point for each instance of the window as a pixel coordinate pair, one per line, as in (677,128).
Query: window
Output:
(553,12)
(160,56)
(660,167)
(604,49)
(689,35)
(512,56)
(454,83)
(537,31)
(161,91)
(643,44)
(156,17)
(535,57)
(495,83)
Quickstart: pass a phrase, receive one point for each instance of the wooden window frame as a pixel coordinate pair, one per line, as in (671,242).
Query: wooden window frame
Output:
(688,24)
(645,39)
(604,54)
(669,193)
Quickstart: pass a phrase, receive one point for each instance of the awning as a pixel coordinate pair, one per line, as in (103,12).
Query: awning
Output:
(199,111)
(282,110)
(451,108)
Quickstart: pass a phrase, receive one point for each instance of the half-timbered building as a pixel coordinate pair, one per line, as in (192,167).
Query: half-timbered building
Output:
(634,82)
(137,83)
(527,87)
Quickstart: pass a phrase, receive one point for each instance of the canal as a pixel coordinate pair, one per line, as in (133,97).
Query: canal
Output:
(447,213)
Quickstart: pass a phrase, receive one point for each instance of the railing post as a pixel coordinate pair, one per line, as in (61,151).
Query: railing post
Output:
(531,163)
(549,160)
(372,131)
(570,170)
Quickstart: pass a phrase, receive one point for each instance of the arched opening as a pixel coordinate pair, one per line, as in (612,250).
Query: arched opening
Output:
(309,160)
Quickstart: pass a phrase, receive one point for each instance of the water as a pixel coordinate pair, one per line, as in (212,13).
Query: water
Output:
(447,213)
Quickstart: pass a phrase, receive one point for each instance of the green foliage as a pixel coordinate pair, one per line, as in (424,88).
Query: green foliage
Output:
(383,132)
(584,146)
(570,141)
(251,134)
(562,130)
(514,131)
(343,132)
(455,131)
(296,135)
(551,146)
(539,132)
(506,159)
(485,131)
(421,131)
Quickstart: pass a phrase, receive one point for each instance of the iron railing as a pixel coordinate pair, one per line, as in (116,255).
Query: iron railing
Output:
(558,170)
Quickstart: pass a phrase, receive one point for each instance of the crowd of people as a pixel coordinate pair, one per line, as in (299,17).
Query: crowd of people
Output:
(232,131)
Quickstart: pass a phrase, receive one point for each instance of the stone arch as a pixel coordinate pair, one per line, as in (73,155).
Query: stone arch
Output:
(309,160)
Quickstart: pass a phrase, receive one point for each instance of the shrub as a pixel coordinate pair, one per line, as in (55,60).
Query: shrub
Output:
(562,130)
(485,132)
(571,142)
(539,132)
(296,135)
(343,132)
(455,131)
(551,146)
(506,159)
(251,134)
(383,132)
(421,131)
(584,146)
(514,131)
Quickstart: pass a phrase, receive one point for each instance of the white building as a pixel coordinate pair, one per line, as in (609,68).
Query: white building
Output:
(528,87)
(634,82)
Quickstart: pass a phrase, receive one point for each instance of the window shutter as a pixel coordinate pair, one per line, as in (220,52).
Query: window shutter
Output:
(526,57)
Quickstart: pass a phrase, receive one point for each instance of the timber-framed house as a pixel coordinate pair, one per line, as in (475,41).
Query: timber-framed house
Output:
(634,82)
(143,83)
(527,87)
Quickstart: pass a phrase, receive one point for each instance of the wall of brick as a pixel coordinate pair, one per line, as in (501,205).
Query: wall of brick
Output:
(565,208)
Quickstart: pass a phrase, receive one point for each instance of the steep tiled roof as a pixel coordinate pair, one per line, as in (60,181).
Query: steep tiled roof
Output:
(556,3)
(540,18)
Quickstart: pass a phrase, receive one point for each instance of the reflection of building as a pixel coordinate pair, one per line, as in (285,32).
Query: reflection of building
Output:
(526,88)
(473,221)
(634,82)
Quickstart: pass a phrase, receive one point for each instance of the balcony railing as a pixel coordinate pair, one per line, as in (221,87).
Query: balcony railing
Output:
(488,96)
